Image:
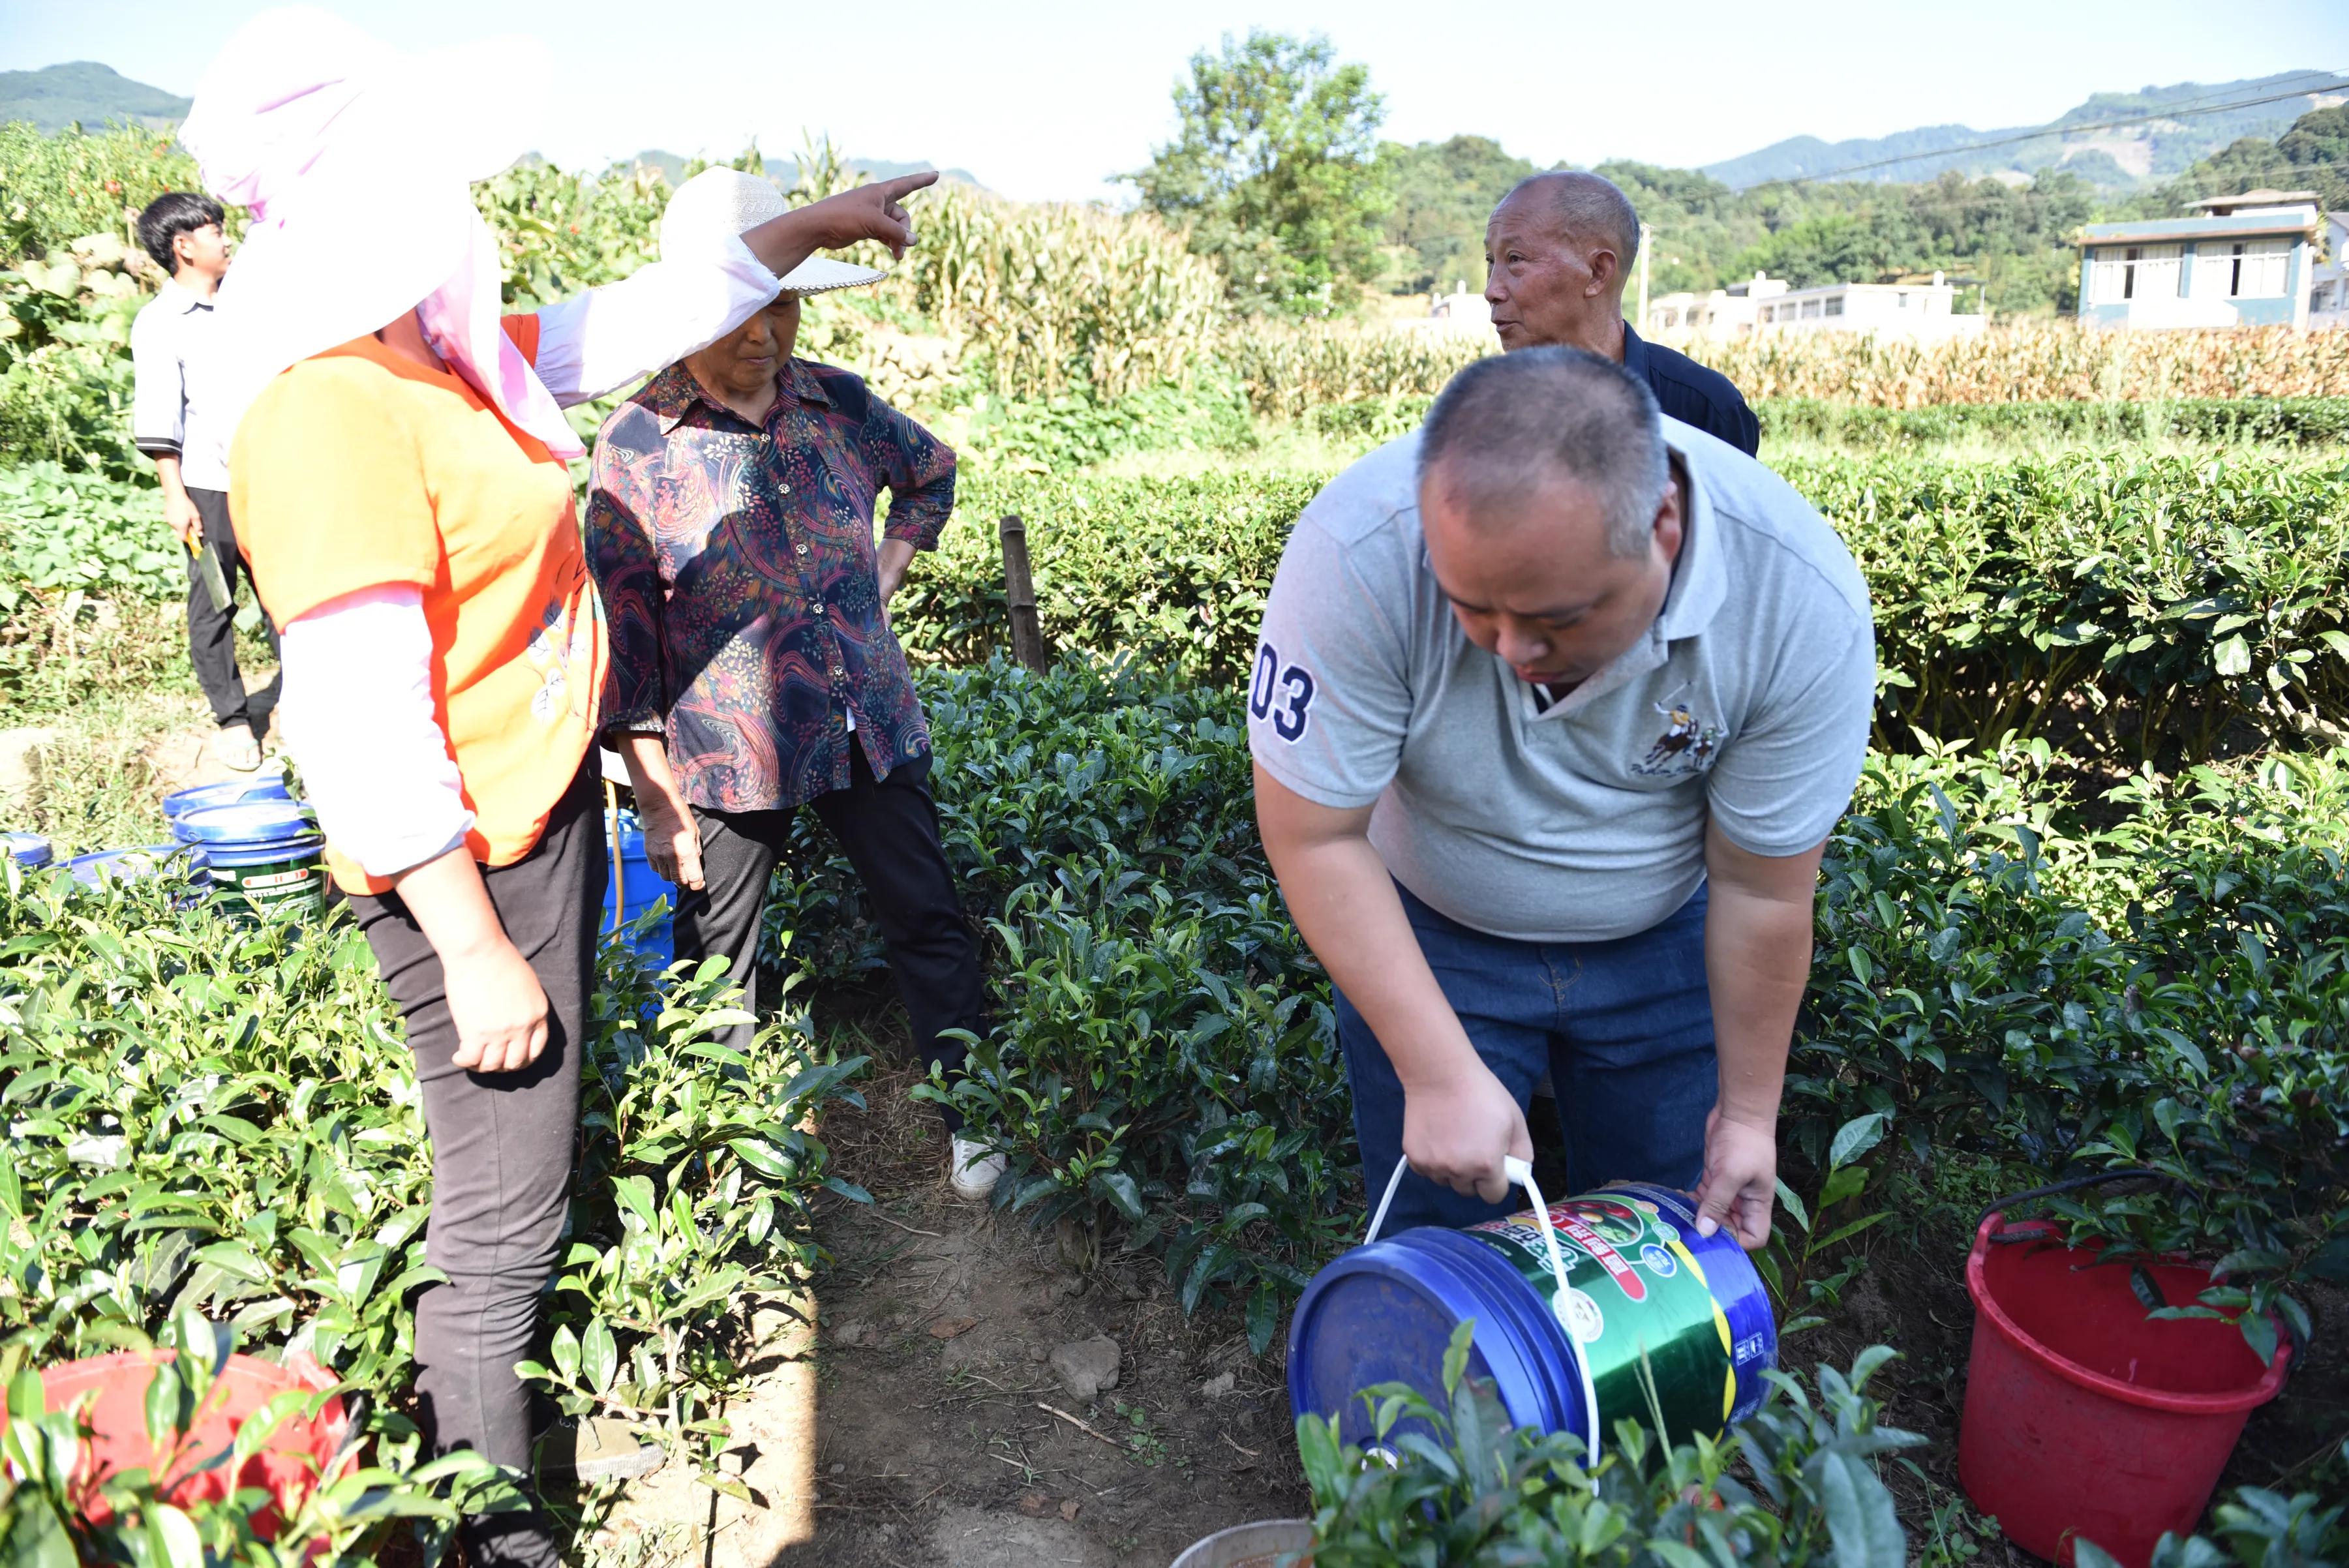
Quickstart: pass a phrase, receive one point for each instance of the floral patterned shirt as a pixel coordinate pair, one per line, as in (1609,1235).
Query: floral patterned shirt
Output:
(740,579)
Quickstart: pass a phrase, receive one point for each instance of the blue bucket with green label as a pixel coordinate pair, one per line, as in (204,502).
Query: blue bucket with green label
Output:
(268,857)
(1601,1308)
(29,850)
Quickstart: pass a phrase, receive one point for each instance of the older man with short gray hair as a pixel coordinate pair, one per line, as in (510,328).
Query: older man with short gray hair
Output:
(1556,251)
(1557,703)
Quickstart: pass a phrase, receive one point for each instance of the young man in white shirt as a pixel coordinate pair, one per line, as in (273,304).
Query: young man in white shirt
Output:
(170,344)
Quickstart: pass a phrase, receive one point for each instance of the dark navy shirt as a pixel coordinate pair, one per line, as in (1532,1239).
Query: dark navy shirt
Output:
(1692,394)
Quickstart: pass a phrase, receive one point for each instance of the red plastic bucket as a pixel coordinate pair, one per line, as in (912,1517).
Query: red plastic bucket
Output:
(290,1464)
(2085,1418)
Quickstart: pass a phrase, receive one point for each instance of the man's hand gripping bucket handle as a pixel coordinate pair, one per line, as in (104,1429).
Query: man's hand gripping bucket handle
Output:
(1520,1173)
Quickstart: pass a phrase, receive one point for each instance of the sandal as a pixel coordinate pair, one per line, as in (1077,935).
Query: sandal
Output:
(236,748)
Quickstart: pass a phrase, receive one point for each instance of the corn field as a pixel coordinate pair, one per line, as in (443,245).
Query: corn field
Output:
(1036,303)
(2048,363)
(1057,297)
(1287,372)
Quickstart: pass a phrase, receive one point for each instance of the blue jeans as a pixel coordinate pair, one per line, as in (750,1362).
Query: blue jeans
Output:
(1624,1028)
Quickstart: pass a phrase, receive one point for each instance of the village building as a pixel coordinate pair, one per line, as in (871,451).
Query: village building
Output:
(1922,308)
(2240,261)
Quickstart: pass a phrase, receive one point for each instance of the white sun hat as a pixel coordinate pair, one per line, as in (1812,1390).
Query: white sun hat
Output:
(718,206)
(355,161)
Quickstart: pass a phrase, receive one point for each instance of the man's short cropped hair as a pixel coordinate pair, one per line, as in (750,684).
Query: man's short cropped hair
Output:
(1581,203)
(1508,424)
(171,215)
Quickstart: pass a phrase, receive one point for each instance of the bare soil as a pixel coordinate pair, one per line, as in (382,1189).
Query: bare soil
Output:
(944,1437)
(932,1442)
(921,1424)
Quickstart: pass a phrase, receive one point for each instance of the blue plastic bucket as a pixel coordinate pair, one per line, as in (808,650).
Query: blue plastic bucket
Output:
(146,863)
(267,855)
(29,850)
(631,887)
(1644,1298)
(234,792)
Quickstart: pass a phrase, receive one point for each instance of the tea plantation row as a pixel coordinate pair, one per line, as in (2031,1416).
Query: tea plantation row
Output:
(214,1118)
(2130,606)
(2170,991)
(2283,421)
(201,1117)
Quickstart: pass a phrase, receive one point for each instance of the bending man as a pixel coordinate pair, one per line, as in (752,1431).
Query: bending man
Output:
(1557,703)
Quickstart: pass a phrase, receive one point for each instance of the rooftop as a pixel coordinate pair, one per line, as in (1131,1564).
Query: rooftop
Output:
(2219,206)
(2240,225)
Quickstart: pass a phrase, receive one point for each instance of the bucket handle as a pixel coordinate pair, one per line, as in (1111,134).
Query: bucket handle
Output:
(2073,1184)
(1520,1173)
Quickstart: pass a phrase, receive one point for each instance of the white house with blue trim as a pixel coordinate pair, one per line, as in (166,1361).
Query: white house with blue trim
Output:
(2244,261)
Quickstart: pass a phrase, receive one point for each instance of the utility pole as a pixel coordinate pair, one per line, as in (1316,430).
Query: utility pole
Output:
(1646,235)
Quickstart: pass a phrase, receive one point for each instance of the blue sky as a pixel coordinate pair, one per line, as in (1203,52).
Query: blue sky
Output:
(1049,101)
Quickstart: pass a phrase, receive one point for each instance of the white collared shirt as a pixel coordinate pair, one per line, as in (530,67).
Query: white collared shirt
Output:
(171,342)
(1748,703)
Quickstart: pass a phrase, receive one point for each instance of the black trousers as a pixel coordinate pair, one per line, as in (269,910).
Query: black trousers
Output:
(888,827)
(502,1154)
(212,631)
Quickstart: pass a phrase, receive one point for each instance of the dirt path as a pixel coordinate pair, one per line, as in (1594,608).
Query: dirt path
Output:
(916,1432)
(183,757)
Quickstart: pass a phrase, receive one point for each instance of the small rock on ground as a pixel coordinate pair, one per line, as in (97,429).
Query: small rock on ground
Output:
(1086,1366)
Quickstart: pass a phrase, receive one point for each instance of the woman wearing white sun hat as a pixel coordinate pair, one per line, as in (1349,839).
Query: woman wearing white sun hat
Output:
(397,470)
(730,524)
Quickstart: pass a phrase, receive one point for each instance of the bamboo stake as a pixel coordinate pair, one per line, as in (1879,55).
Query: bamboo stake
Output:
(1019,598)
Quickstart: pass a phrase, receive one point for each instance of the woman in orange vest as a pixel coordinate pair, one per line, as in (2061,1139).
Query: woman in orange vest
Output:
(398,470)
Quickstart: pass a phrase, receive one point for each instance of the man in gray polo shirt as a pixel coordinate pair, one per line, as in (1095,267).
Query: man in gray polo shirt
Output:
(1557,703)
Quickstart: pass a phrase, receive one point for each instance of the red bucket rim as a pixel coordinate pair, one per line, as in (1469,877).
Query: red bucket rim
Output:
(2270,1384)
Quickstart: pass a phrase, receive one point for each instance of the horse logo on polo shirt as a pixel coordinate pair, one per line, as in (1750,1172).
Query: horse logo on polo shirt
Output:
(1687,746)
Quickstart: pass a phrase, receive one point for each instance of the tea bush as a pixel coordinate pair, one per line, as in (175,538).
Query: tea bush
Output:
(1795,1485)
(1993,973)
(1173,571)
(1163,1049)
(2256,1528)
(2146,604)
(2278,421)
(2283,421)
(2136,607)
(2127,1002)
(183,1507)
(211,1117)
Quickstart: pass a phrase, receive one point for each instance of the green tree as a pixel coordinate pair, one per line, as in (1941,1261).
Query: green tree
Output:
(1274,172)
(1443,192)
(2318,143)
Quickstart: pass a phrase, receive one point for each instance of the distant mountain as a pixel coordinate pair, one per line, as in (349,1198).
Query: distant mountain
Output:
(2122,155)
(83,90)
(785,171)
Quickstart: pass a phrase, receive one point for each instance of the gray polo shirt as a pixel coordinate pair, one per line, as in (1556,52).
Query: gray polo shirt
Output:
(1749,702)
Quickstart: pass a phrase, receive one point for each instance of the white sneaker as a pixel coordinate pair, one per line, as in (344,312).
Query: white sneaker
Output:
(974,1169)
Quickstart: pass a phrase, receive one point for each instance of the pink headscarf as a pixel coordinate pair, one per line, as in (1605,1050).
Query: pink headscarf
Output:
(355,160)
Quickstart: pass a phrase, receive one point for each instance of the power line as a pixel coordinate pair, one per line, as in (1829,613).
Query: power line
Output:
(2056,128)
